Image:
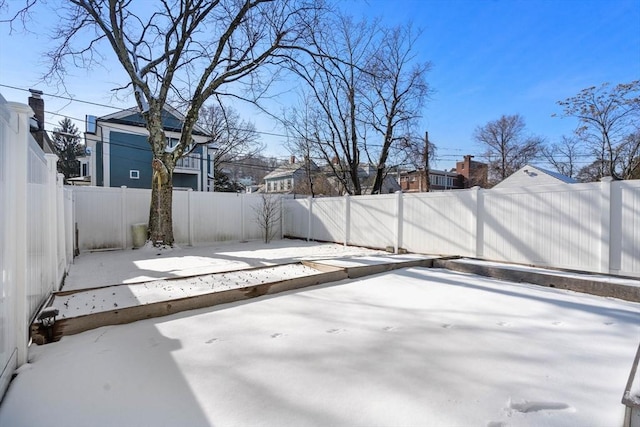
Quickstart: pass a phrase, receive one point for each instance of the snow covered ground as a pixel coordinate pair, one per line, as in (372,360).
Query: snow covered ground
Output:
(146,264)
(410,347)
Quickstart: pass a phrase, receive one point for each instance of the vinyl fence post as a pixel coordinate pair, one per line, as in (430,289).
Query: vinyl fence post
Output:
(398,238)
(480,219)
(474,222)
(123,215)
(605,223)
(17,154)
(616,226)
(61,253)
(243,202)
(190,216)
(281,217)
(310,218)
(52,214)
(347,218)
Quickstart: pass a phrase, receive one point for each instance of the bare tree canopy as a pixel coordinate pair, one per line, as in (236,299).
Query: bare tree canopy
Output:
(507,146)
(395,93)
(233,137)
(365,92)
(564,156)
(179,51)
(609,123)
(335,78)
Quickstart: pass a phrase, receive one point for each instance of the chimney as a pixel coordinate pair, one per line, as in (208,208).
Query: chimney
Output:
(37,105)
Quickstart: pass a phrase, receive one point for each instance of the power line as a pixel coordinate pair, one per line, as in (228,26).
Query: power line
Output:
(67,98)
(441,157)
(272,134)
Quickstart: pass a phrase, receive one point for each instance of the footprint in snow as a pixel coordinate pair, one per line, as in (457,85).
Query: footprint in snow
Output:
(389,328)
(446,326)
(609,323)
(556,323)
(335,331)
(536,406)
(212,340)
(504,324)
(496,424)
(277,335)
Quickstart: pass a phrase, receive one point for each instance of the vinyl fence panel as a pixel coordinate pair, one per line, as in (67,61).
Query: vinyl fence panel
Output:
(440,223)
(544,225)
(590,227)
(32,260)
(104,216)
(625,226)
(99,217)
(296,217)
(328,223)
(373,221)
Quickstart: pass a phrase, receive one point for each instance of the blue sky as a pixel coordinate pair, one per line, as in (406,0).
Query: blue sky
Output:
(489,57)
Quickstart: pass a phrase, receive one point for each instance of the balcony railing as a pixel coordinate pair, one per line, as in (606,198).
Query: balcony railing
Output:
(191,161)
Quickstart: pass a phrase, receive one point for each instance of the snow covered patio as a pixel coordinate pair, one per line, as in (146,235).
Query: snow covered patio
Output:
(415,346)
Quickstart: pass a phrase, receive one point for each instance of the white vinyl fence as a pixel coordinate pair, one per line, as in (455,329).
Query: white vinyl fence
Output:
(591,227)
(36,246)
(104,216)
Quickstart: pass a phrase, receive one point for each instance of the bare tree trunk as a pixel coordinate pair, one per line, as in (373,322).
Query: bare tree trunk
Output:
(160,224)
(160,210)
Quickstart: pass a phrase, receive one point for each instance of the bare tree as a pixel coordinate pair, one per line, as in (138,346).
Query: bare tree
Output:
(363,83)
(628,156)
(396,92)
(591,172)
(300,127)
(233,137)
(507,146)
(335,77)
(564,156)
(185,51)
(268,215)
(608,116)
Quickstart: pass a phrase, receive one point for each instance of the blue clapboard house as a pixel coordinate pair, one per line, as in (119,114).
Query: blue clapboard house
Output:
(118,152)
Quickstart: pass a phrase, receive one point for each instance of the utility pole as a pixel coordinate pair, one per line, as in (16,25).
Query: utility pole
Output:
(426,162)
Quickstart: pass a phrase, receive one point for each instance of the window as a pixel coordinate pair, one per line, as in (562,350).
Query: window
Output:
(281,185)
(171,142)
(85,170)
(134,174)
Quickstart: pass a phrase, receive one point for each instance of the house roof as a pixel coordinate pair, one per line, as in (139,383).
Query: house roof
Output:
(172,119)
(533,175)
(288,170)
(557,175)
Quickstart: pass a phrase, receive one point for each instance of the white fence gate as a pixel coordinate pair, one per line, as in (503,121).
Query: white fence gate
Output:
(591,227)
(35,245)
